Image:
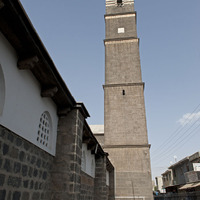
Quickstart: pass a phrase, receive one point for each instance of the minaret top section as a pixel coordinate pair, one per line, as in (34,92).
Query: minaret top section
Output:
(119,6)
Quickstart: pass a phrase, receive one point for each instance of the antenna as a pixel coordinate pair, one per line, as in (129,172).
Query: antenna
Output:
(175,158)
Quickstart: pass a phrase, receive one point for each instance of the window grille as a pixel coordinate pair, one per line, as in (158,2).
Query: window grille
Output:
(44,129)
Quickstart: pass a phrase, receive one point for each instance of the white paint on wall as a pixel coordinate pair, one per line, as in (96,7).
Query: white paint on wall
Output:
(2,90)
(23,103)
(107,177)
(88,161)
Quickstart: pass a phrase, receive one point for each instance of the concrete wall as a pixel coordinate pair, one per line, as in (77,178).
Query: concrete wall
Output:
(179,171)
(24,105)
(168,178)
(192,176)
(159,183)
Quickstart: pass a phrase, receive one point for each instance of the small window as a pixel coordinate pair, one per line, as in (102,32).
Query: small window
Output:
(174,173)
(120,30)
(119,2)
(181,171)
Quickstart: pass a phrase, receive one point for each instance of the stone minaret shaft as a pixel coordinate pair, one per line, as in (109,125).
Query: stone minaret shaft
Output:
(126,138)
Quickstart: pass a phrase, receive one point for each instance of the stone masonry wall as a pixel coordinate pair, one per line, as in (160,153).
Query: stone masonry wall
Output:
(29,173)
(24,169)
(100,190)
(66,177)
(111,188)
(87,187)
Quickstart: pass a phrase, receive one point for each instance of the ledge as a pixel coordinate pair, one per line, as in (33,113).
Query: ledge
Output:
(124,84)
(119,39)
(127,146)
(82,109)
(116,14)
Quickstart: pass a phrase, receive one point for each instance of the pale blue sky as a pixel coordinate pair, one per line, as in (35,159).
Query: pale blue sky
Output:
(169,32)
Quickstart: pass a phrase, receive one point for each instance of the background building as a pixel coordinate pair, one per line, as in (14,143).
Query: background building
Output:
(159,184)
(183,177)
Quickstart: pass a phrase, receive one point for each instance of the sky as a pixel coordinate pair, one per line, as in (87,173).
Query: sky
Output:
(169,32)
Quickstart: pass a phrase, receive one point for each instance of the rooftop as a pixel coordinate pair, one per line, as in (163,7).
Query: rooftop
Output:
(97,129)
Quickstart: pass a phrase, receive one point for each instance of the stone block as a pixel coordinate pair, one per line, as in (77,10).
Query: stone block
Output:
(14,181)
(2,179)
(25,196)
(5,149)
(16,195)
(7,165)
(2,194)
(36,196)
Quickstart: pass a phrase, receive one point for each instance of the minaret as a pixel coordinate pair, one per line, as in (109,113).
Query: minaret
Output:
(125,128)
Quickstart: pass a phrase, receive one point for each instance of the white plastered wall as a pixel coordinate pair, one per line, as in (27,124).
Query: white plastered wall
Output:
(24,105)
(89,162)
(107,177)
(2,90)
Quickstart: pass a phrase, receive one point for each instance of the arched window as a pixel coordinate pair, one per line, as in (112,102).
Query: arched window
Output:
(2,90)
(44,129)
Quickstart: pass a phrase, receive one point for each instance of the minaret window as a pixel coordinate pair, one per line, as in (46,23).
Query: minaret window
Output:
(119,2)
